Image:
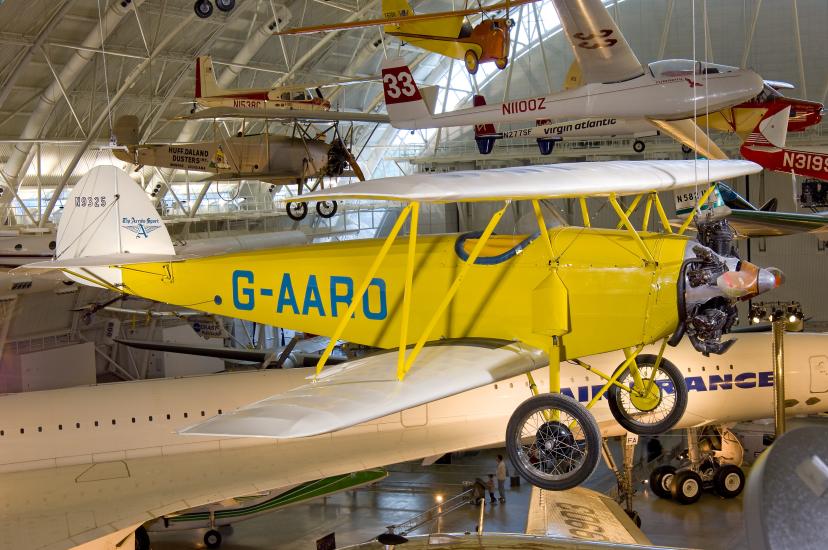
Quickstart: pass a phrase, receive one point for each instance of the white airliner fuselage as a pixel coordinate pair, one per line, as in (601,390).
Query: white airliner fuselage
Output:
(658,93)
(80,463)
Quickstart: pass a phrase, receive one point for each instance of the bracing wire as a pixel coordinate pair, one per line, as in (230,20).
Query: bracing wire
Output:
(106,76)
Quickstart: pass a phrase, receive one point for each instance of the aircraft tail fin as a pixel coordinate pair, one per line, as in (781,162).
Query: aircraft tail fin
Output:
(772,129)
(396,8)
(108,214)
(406,106)
(206,84)
(484,134)
(126,130)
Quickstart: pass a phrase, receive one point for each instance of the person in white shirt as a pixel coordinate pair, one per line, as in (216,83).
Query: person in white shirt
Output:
(501,478)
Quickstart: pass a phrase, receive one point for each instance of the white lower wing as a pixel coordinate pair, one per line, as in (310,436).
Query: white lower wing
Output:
(688,133)
(366,389)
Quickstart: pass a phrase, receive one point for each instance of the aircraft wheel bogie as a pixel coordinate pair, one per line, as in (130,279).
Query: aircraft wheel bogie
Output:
(203,8)
(553,441)
(326,209)
(729,481)
(225,5)
(501,62)
(626,407)
(212,539)
(639,146)
(297,211)
(661,480)
(687,487)
(472,61)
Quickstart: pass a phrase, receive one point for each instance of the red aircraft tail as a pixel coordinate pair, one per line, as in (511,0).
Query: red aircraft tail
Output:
(484,134)
(766,146)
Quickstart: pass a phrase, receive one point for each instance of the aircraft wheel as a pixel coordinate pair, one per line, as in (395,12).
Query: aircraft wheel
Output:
(142,540)
(729,481)
(687,487)
(634,517)
(653,411)
(639,146)
(203,8)
(501,62)
(471,61)
(225,5)
(297,210)
(661,480)
(685,149)
(326,209)
(212,539)
(553,441)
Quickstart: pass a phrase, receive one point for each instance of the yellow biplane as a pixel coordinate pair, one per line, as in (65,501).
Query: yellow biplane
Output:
(447,33)
(455,312)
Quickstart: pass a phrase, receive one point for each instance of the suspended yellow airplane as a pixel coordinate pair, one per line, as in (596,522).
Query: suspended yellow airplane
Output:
(462,311)
(447,33)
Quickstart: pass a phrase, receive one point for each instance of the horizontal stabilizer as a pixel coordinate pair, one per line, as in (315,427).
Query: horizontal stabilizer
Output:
(563,180)
(104,261)
(367,388)
(284,114)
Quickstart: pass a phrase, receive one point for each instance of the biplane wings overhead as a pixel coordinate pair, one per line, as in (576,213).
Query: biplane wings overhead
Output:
(368,388)
(564,180)
(599,47)
(285,114)
(413,18)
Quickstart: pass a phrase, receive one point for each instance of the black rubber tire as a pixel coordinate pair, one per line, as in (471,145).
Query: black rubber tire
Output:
(687,487)
(661,479)
(639,146)
(726,475)
(203,8)
(685,149)
(634,517)
(326,214)
(523,464)
(225,5)
(142,540)
(471,61)
(212,539)
(621,415)
(300,212)
(502,62)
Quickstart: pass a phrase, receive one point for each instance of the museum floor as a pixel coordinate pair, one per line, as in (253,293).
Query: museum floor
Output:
(356,516)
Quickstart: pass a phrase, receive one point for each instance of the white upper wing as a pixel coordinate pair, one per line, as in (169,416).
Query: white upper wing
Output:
(367,388)
(285,114)
(599,46)
(577,179)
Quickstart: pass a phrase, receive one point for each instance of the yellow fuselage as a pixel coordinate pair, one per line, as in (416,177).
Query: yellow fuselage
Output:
(596,292)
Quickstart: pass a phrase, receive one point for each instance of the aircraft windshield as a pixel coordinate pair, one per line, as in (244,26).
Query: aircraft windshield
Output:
(672,68)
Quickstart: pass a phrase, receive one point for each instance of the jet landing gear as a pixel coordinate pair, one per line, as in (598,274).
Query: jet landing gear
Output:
(554,442)
(624,480)
(711,463)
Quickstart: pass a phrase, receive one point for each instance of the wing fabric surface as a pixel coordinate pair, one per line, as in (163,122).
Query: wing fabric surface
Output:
(599,47)
(688,133)
(757,223)
(564,180)
(284,114)
(367,389)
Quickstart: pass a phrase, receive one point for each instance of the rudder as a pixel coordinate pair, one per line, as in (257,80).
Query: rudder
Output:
(206,84)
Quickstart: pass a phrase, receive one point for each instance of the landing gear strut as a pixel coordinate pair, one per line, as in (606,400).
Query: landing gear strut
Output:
(624,479)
